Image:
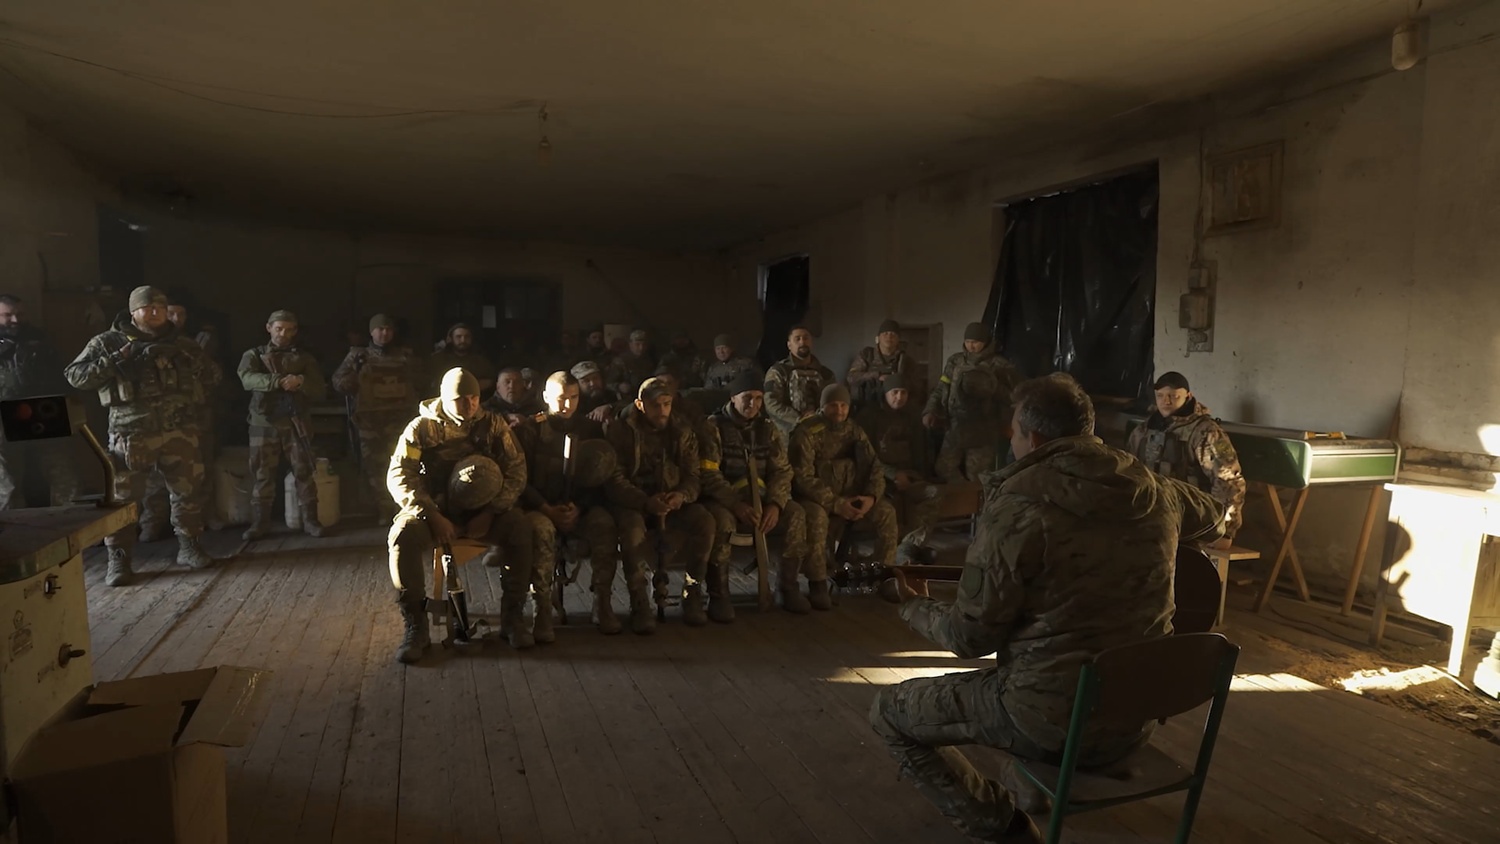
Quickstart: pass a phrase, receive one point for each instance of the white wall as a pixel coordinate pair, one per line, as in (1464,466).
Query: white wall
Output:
(1380,287)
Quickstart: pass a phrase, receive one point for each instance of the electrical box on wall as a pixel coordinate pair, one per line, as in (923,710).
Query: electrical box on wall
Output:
(1196,307)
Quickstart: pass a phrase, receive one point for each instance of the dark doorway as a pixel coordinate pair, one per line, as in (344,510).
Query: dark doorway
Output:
(122,261)
(1075,289)
(784,300)
(510,317)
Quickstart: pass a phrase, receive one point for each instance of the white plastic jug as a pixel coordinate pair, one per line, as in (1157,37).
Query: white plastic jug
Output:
(328,496)
(232,483)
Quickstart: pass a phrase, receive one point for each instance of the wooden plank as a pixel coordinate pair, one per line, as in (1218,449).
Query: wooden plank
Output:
(369,793)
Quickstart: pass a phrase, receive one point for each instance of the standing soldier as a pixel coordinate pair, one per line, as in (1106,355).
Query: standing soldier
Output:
(685,361)
(631,369)
(152,380)
(793,385)
(283,379)
(895,430)
(727,365)
(1182,440)
(29,366)
(567,463)
(874,364)
(738,433)
(453,434)
(457,349)
(836,475)
(973,400)
(658,479)
(382,380)
(155,505)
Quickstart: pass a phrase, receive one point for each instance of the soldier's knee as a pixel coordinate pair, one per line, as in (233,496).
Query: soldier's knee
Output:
(882,711)
(723,520)
(542,527)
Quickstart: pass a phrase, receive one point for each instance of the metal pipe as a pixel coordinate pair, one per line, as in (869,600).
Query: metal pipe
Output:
(104,461)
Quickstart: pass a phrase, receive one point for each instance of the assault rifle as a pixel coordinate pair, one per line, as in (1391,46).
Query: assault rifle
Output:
(299,425)
(762,556)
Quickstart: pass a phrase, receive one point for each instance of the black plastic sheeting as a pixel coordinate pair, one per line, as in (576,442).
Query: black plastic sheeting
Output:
(1075,290)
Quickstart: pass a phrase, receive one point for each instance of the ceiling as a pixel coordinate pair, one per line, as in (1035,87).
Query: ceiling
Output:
(671,123)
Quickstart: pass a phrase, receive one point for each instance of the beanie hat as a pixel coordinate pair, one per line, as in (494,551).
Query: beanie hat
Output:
(978,331)
(381,321)
(723,340)
(458,382)
(146,296)
(888,325)
(745,382)
(282,315)
(894,381)
(833,393)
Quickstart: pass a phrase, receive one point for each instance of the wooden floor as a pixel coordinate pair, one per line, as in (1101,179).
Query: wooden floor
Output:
(754,732)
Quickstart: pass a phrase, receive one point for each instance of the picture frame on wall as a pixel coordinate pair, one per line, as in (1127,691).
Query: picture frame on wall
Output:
(1244,189)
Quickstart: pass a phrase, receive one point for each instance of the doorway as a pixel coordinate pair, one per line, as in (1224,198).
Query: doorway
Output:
(785,294)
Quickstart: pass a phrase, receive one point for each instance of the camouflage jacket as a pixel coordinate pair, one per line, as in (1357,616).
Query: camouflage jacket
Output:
(268,402)
(1192,447)
(832,461)
(689,366)
(720,373)
(445,359)
(627,372)
(1074,555)
(794,388)
(865,371)
(899,439)
(434,442)
(162,386)
(973,396)
(29,366)
(383,380)
(651,461)
(546,478)
(726,471)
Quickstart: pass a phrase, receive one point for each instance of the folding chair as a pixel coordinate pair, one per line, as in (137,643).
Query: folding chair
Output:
(1150,681)
(448,602)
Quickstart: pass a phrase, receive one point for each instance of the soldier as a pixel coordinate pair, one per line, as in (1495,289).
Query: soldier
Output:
(513,399)
(155,508)
(152,380)
(685,362)
(973,400)
(1074,556)
(658,478)
(448,430)
(837,477)
(875,363)
(794,385)
(594,401)
(457,349)
(685,410)
(895,430)
(629,370)
(29,366)
(595,350)
(727,365)
(1182,440)
(382,380)
(283,379)
(737,433)
(567,464)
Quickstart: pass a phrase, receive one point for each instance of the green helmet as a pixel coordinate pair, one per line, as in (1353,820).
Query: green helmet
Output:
(593,463)
(474,483)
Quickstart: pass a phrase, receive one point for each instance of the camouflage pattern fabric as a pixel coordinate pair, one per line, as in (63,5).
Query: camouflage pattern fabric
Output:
(651,462)
(269,404)
(627,372)
(795,388)
(956,463)
(384,381)
(832,461)
(690,539)
(52,458)
(1074,556)
(690,366)
(720,373)
(865,372)
(1192,447)
(901,443)
(973,398)
(267,444)
(410,546)
(546,483)
(378,437)
(175,454)
(597,527)
(160,386)
(731,438)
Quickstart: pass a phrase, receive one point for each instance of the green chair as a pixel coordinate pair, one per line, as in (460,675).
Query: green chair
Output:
(1150,681)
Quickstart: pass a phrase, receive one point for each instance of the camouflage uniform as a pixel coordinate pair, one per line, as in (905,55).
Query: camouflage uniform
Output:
(272,432)
(794,388)
(29,366)
(1190,446)
(652,462)
(865,371)
(382,381)
(688,364)
(153,398)
(1074,556)
(973,397)
(419,469)
(547,483)
(901,443)
(832,461)
(730,440)
(627,372)
(155,505)
(720,373)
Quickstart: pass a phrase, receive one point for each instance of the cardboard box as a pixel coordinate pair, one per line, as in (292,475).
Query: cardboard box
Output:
(139,760)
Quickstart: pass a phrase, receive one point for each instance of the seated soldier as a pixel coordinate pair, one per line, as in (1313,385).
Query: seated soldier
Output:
(895,430)
(594,400)
(836,476)
(1181,440)
(513,399)
(1074,556)
(657,477)
(727,365)
(874,365)
(447,430)
(564,496)
(738,433)
(685,411)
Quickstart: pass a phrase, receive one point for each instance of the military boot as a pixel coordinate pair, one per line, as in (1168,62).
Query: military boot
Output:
(516,626)
(415,640)
(692,606)
(720,608)
(310,524)
(118,573)
(818,596)
(792,599)
(191,554)
(541,628)
(642,615)
(155,531)
(260,522)
(604,615)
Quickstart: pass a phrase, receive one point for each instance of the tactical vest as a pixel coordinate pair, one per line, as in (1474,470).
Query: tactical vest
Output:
(974,388)
(1166,452)
(280,404)
(162,374)
(654,469)
(872,391)
(805,388)
(385,383)
(736,441)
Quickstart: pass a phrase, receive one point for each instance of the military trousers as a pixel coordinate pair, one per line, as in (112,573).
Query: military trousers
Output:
(52,458)
(689,539)
(175,454)
(267,444)
(410,545)
(156,503)
(791,527)
(378,434)
(916,508)
(597,528)
(881,520)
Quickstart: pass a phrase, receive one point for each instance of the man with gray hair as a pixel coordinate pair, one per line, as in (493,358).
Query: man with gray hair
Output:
(1074,556)
(726,365)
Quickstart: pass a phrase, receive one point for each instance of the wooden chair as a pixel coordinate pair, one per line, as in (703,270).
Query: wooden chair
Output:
(1143,682)
(445,580)
(1222,557)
